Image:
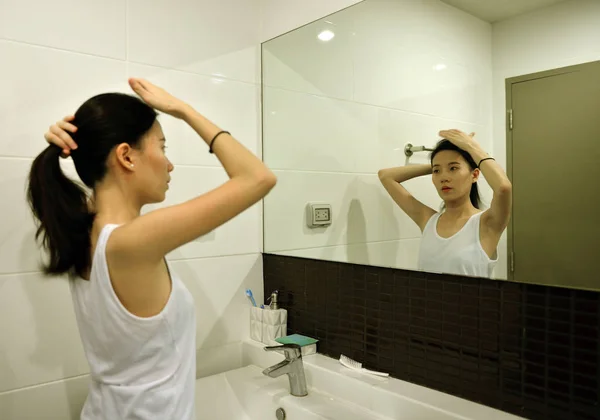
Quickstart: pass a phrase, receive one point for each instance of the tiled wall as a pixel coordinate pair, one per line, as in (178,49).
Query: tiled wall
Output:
(529,350)
(56,54)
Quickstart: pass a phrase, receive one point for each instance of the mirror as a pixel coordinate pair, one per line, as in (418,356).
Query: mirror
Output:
(370,88)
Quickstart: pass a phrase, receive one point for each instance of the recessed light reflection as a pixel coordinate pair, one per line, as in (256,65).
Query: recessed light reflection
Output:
(326,35)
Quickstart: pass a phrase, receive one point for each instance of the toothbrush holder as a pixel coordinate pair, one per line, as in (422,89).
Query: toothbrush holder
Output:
(267,324)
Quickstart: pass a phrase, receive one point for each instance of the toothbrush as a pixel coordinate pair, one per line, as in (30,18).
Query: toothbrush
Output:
(357,366)
(249,294)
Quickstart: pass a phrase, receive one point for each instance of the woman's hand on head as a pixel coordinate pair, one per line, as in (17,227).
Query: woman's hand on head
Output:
(459,138)
(58,135)
(158,98)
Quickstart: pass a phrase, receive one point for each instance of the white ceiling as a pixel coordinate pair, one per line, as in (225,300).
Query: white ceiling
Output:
(496,10)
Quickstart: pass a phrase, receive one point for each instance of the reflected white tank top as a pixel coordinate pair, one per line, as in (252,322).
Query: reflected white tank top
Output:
(141,368)
(460,254)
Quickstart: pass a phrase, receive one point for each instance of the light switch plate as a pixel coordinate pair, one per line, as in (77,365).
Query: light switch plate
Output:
(318,215)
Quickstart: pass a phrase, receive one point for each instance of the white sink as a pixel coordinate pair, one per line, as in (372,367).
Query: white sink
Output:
(335,392)
(246,394)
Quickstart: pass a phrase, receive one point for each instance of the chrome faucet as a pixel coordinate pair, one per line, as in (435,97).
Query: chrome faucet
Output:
(291,366)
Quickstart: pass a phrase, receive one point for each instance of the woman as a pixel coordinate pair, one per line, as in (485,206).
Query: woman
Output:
(462,239)
(135,317)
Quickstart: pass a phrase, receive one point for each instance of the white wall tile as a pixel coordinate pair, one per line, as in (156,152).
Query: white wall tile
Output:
(307,132)
(60,400)
(232,105)
(214,360)
(40,339)
(238,236)
(425,26)
(343,136)
(18,250)
(536,41)
(387,53)
(89,27)
(218,286)
(48,70)
(205,37)
(300,61)
(362,211)
(40,86)
(281,16)
(422,56)
(64,399)
(460,37)
(400,253)
(416,84)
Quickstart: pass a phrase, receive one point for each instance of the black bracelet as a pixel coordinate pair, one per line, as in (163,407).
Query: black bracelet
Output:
(210,149)
(487,158)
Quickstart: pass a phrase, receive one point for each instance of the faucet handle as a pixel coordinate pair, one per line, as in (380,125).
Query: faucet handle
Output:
(292,351)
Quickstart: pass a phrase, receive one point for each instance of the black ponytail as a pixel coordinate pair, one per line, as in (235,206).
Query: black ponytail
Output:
(61,205)
(445,144)
(474,196)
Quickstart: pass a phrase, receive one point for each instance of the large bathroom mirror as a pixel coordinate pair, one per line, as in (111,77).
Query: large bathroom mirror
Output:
(370,87)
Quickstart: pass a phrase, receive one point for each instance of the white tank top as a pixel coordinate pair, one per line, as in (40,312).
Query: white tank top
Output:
(141,368)
(460,254)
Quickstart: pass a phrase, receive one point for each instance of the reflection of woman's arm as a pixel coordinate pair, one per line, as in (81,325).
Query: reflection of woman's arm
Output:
(391,178)
(404,173)
(498,215)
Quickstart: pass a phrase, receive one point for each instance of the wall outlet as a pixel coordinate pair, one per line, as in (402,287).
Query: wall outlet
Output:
(322,214)
(318,215)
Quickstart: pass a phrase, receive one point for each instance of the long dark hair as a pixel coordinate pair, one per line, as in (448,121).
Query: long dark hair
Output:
(61,205)
(448,145)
